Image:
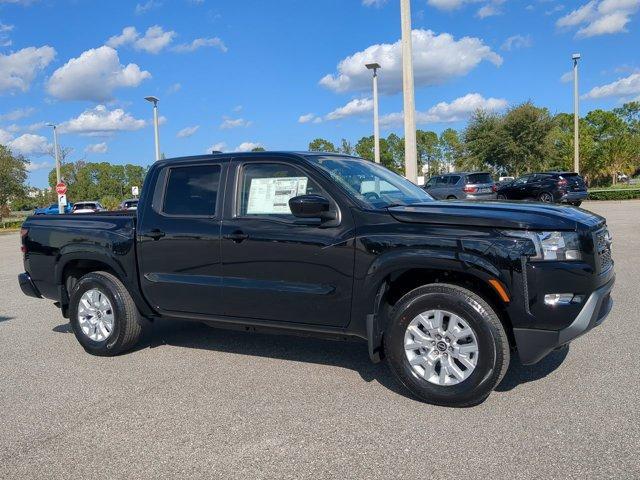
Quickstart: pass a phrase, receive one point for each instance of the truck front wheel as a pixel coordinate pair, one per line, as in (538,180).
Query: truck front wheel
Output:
(103,316)
(446,345)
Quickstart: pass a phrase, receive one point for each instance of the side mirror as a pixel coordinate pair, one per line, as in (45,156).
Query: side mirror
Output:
(311,206)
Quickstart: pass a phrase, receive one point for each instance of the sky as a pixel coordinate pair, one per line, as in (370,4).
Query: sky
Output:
(235,74)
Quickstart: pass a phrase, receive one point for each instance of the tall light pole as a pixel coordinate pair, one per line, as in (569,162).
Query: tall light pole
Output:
(154,100)
(576,115)
(410,148)
(56,154)
(376,123)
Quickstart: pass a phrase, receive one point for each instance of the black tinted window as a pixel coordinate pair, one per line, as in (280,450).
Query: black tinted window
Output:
(192,190)
(475,178)
(453,179)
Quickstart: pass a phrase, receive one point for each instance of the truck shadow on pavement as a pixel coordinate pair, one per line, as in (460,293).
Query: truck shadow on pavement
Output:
(5,319)
(348,354)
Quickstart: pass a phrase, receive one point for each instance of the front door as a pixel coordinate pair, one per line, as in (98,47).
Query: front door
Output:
(179,240)
(279,267)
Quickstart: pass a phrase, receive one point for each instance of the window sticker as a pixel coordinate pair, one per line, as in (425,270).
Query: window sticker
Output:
(271,195)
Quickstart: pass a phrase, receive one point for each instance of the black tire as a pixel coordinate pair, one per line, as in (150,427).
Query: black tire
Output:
(500,196)
(493,344)
(545,197)
(127,327)
(577,204)
(452,197)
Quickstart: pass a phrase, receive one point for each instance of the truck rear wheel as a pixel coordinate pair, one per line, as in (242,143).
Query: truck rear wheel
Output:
(103,316)
(446,345)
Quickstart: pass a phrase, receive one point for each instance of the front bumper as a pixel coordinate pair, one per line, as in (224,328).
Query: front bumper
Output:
(535,344)
(27,286)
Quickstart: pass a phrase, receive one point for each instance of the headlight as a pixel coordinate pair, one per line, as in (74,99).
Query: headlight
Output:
(552,245)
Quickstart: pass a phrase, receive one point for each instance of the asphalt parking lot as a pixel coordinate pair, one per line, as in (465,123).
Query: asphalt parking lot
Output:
(199,402)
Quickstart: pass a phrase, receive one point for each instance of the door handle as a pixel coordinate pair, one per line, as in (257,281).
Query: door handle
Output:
(155,234)
(237,236)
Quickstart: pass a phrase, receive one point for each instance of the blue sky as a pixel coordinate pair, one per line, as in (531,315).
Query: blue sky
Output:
(238,73)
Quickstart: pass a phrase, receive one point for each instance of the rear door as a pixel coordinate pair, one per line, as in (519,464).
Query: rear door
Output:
(276,266)
(483,184)
(179,239)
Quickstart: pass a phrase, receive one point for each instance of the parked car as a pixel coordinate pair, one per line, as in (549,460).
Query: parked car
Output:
(462,185)
(334,246)
(131,204)
(547,187)
(52,209)
(87,207)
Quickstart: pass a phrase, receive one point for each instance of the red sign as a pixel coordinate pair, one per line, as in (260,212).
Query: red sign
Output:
(61,188)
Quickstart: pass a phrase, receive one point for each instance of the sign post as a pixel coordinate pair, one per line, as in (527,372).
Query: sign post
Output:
(61,190)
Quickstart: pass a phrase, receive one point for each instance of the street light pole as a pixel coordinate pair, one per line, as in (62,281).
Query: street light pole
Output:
(576,115)
(155,100)
(376,123)
(57,157)
(410,148)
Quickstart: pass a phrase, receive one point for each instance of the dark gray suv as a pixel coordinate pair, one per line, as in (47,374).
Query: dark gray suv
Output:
(462,186)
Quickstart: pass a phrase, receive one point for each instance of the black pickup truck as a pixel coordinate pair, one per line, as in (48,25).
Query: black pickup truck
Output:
(333,246)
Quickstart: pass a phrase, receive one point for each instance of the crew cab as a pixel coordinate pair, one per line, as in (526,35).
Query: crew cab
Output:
(334,246)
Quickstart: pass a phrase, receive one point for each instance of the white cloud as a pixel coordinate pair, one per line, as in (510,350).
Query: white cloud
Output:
(100,121)
(459,109)
(373,3)
(18,70)
(237,108)
(33,166)
(567,77)
(199,43)
(176,87)
(154,40)
(623,87)
(358,106)
(436,59)
(489,8)
(30,144)
(516,42)
(97,148)
(94,75)
(5,137)
(247,146)
(600,17)
(145,7)
(309,117)
(17,114)
(229,123)
(217,147)
(5,41)
(187,131)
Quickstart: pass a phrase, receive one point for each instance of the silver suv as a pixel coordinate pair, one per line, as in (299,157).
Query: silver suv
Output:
(462,186)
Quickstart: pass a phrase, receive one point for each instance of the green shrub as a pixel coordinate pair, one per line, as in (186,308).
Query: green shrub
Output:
(11,224)
(614,194)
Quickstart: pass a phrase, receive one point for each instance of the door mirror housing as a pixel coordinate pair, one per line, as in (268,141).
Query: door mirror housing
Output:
(311,206)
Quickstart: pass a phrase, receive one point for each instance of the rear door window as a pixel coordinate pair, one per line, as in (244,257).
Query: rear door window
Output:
(453,179)
(192,191)
(479,178)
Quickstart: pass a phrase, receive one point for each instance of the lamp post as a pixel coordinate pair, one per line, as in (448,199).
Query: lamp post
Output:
(155,100)
(410,148)
(57,157)
(576,115)
(376,123)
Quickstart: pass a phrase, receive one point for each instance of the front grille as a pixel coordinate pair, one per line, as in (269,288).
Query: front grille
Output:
(602,243)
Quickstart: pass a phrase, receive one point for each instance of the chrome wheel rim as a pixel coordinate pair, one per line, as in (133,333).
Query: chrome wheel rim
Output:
(441,347)
(545,198)
(95,315)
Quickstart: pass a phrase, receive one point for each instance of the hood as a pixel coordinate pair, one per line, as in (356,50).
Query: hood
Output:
(508,215)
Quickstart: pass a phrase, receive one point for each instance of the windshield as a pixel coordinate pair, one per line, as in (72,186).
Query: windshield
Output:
(370,183)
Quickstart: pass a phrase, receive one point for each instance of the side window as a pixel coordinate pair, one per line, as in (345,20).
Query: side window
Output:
(192,190)
(431,182)
(441,182)
(521,181)
(453,179)
(265,189)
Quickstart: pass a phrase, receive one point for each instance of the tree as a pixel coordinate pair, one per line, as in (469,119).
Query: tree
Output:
(365,149)
(613,142)
(451,149)
(13,174)
(345,147)
(258,149)
(427,146)
(322,145)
